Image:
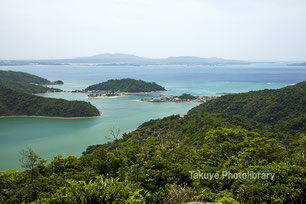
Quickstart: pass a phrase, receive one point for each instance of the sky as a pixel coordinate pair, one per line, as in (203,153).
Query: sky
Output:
(232,29)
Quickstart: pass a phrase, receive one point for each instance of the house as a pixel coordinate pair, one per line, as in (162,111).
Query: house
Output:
(156,99)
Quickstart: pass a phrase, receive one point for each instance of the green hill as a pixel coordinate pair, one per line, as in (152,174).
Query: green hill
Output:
(26,87)
(23,77)
(282,108)
(126,85)
(26,83)
(18,103)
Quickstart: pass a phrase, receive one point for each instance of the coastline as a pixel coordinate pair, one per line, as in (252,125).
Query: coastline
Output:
(105,96)
(123,94)
(171,101)
(50,117)
(141,93)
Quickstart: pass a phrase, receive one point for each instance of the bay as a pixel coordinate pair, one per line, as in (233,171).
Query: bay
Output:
(50,137)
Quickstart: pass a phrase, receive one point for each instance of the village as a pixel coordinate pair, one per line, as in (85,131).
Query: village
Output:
(181,98)
(101,94)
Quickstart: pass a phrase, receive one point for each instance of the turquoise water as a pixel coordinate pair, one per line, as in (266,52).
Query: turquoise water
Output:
(50,137)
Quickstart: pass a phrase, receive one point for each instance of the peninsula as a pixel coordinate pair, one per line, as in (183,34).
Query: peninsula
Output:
(27,83)
(15,103)
(17,99)
(126,85)
(26,77)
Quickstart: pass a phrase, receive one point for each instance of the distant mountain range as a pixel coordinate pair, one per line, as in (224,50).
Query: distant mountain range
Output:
(125,59)
(299,64)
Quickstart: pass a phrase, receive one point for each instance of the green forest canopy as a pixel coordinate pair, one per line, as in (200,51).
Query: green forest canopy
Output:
(152,164)
(25,82)
(26,87)
(13,102)
(127,85)
(283,108)
(22,77)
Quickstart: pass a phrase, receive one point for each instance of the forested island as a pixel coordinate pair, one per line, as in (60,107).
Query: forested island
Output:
(126,85)
(259,131)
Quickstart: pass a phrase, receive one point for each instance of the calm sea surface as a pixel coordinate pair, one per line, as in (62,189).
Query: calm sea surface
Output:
(50,137)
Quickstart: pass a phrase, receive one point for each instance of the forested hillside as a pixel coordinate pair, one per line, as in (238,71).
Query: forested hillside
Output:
(26,87)
(18,103)
(283,108)
(23,77)
(127,85)
(25,82)
(155,162)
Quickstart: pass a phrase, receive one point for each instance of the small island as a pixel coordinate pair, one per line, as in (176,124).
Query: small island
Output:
(182,98)
(57,82)
(126,86)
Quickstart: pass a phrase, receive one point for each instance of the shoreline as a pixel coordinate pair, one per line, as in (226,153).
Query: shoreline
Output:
(95,97)
(141,93)
(172,101)
(50,117)
(123,93)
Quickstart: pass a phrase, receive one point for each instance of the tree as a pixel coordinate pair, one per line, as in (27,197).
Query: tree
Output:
(29,160)
(115,133)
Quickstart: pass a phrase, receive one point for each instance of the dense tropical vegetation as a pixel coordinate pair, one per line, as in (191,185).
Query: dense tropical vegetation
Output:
(126,85)
(187,96)
(282,109)
(16,89)
(13,102)
(23,77)
(26,83)
(26,87)
(152,164)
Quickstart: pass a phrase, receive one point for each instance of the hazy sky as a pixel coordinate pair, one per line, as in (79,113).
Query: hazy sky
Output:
(235,29)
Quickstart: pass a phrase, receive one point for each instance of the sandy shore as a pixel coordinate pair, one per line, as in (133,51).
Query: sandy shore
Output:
(49,117)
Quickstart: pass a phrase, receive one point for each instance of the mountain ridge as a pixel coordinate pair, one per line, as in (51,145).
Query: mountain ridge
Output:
(118,58)
(127,58)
